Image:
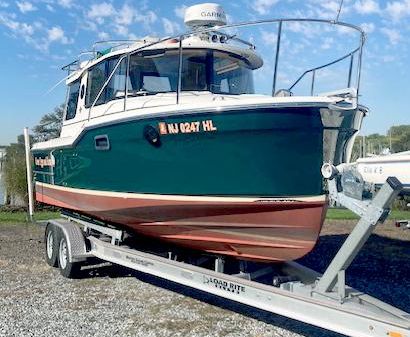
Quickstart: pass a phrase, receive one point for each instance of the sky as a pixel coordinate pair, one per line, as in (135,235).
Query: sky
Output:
(38,37)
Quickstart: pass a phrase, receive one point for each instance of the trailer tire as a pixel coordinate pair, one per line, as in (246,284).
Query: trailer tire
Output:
(51,245)
(67,269)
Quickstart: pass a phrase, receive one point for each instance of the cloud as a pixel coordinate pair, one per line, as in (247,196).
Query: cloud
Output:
(100,11)
(4,4)
(120,18)
(24,31)
(56,34)
(25,6)
(180,11)
(392,34)
(126,15)
(19,28)
(65,3)
(330,6)
(121,30)
(368,27)
(103,36)
(269,38)
(388,58)
(326,9)
(170,27)
(263,6)
(307,29)
(366,7)
(398,9)
(328,42)
(147,19)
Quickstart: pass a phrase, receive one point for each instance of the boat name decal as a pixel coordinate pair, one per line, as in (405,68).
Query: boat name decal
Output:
(373,169)
(139,261)
(187,127)
(47,161)
(224,285)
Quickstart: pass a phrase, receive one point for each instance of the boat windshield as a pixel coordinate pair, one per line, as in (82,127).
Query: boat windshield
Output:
(155,71)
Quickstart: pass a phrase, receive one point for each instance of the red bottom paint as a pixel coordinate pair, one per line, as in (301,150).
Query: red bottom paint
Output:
(264,230)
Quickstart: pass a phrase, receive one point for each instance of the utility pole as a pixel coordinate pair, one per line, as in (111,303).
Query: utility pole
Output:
(29,175)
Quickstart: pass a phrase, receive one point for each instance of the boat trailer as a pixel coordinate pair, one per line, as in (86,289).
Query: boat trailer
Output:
(293,291)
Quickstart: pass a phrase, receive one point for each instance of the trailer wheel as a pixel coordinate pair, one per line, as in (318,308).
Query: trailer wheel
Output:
(68,269)
(51,245)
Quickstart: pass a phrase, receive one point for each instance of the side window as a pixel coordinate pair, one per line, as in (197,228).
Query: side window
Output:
(153,73)
(153,83)
(116,86)
(96,79)
(194,71)
(72,100)
(97,76)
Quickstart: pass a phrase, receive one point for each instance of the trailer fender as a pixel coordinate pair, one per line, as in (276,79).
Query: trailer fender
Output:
(76,241)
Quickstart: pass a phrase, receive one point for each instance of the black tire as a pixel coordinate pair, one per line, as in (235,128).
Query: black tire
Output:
(67,269)
(51,245)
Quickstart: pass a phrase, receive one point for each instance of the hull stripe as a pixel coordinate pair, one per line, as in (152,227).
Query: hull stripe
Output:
(320,198)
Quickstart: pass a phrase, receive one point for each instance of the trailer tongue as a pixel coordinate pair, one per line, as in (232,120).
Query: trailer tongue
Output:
(297,292)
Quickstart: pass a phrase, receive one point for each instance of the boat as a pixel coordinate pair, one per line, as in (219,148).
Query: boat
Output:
(376,169)
(169,139)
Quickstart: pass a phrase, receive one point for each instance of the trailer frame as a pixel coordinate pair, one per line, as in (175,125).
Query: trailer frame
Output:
(299,292)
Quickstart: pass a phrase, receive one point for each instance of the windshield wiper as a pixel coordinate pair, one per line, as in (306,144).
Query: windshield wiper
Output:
(142,93)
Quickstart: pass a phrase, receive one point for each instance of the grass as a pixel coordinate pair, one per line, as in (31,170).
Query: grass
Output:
(22,217)
(345,214)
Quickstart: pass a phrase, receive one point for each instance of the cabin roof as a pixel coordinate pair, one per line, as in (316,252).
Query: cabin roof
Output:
(192,42)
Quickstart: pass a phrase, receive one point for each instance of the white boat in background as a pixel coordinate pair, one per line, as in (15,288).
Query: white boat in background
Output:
(376,170)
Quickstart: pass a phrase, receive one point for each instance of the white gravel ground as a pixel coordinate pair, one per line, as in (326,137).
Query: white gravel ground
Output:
(35,300)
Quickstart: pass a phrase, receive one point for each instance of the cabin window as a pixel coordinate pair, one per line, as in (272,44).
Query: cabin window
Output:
(231,75)
(154,71)
(72,100)
(96,80)
(156,83)
(99,74)
(116,86)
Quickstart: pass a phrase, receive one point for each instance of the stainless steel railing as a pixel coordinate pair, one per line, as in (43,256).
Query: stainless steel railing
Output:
(313,70)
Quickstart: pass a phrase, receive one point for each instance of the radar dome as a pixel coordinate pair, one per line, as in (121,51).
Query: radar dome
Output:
(205,15)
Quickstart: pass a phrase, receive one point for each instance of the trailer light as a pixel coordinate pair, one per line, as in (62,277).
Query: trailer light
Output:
(395,334)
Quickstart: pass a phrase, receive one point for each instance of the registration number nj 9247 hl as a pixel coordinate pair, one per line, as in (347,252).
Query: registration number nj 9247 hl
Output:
(187,127)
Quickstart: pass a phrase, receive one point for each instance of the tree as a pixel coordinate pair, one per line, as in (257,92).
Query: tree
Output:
(400,136)
(15,165)
(15,173)
(50,125)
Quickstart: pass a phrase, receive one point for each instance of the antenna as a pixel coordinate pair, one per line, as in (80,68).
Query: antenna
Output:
(56,85)
(339,10)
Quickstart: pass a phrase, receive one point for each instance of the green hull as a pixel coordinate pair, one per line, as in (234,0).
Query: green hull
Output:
(252,152)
